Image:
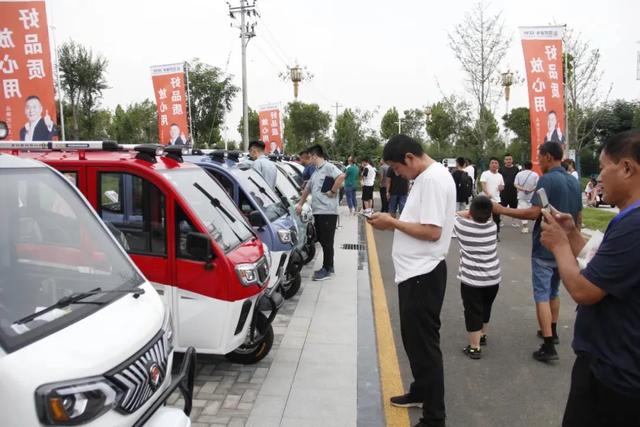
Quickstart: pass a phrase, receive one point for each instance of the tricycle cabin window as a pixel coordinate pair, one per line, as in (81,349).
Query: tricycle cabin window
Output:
(135,212)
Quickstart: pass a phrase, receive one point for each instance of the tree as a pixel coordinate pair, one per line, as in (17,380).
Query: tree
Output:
(583,80)
(519,122)
(212,93)
(352,137)
(303,125)
(138,124)
(479,43)
(449,127)
(83,80)
(254,125)
(615,117)
(389,123)
(414,123)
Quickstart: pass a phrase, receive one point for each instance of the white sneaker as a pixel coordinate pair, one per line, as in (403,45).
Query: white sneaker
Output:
(525,230)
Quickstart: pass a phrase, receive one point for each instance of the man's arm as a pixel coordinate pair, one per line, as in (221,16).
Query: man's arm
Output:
(338,183)
(531,213)
(305,193)
(427,232)
(387,182)
(484,188)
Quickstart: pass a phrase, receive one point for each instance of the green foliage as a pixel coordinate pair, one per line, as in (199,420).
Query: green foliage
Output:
(212,93)
(83,80)
(414,123)
(304,124)
(389,124)
(138,124)
(351,136)
(596,219)
(616,117)
(254,125)
(518,121)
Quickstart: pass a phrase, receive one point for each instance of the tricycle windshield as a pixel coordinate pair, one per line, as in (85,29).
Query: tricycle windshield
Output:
(212,205)
(266,198)
(287,188)
(52,247)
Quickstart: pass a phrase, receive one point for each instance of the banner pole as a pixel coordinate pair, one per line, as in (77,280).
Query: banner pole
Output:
(566,86)
(58,85)
(193,140)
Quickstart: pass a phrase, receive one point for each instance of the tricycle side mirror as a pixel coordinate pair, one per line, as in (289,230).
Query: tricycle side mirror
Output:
(199,247)
(256,219)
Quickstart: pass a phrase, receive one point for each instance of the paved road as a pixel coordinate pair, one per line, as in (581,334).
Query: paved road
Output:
(507,387)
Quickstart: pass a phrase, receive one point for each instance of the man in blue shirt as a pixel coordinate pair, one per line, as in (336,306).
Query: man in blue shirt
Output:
(309,167)
(605,382)
(563,192)
(262,164)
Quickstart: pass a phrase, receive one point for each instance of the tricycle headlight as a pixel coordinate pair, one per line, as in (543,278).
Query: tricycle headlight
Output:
(284,236)
(167,327)
(76,402)
(247,273)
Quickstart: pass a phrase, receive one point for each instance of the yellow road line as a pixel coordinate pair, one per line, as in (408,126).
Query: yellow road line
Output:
(390,379)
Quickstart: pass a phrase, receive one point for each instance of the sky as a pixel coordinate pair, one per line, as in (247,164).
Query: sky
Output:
(363,54)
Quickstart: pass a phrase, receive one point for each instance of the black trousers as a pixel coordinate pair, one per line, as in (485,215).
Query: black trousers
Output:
(420,300)
(592,404)
(383,200)
(477,302)
(326,231)
(509,198)
(496,219)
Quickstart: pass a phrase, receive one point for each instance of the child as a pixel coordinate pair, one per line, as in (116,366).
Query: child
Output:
(479,271)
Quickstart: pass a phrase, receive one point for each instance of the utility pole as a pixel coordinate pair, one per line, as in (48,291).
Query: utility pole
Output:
(337,106)
(247,32)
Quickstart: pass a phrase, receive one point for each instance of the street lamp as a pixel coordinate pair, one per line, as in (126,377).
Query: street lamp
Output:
(427,112)
(297,75)
(507,82)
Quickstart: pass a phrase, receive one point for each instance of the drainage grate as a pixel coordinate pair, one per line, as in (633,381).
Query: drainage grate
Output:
(353,247)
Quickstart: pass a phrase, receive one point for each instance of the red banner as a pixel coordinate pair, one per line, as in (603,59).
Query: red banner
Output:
(27,99)
(171,98)
(270,130)
(543,60)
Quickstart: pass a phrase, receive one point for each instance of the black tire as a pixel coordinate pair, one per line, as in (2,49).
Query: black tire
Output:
(311,253)
(291,285)
(248,354)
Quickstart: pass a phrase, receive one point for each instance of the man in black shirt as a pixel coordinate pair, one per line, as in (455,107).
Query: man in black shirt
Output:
(509,195)
(462,191)
(605,382)
(397,190)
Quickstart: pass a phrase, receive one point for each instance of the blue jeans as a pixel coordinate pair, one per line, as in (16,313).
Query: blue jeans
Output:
(396,203)
(545,278)
(350,192)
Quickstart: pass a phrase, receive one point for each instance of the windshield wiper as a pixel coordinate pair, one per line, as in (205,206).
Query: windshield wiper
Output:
(216,204)
(76,298)
(261,189)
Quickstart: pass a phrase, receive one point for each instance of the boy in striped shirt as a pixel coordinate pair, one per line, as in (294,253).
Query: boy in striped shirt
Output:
(479,270)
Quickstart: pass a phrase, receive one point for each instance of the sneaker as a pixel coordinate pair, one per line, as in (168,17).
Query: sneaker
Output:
(331,271)
(545,355)
(472,353)
(406,401)
(556,339)
(483,339)
(525,230)
(515,225)
(321,274)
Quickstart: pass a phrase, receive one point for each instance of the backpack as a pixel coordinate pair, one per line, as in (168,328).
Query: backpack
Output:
(466,186)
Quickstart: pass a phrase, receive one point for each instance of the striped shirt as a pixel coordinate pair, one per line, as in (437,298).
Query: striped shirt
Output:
(479,262)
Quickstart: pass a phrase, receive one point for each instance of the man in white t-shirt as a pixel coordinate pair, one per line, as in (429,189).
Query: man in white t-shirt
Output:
(368,182)
(526,182)
(421,241)
(492,184)
(471,171)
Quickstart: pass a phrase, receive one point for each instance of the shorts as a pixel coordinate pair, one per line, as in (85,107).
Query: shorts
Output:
(545,279)
(367,192)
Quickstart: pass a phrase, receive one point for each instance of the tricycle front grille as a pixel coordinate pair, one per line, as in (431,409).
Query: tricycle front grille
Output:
(136,376)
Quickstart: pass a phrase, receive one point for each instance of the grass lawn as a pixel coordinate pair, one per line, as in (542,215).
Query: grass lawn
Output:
(596,219)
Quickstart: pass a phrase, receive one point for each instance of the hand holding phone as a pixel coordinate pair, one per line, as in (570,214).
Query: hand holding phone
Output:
(365,215)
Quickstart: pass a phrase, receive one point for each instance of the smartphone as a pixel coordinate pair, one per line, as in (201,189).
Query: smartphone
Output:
(364,215)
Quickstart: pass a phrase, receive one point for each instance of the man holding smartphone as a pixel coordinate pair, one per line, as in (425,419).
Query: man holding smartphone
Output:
(563,193)
(323,186)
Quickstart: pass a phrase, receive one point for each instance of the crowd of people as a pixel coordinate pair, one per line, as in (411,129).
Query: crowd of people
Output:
(426,206)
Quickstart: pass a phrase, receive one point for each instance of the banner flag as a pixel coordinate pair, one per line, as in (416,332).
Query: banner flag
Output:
(543,58)
(171,99)
(27,97)
(271,130)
